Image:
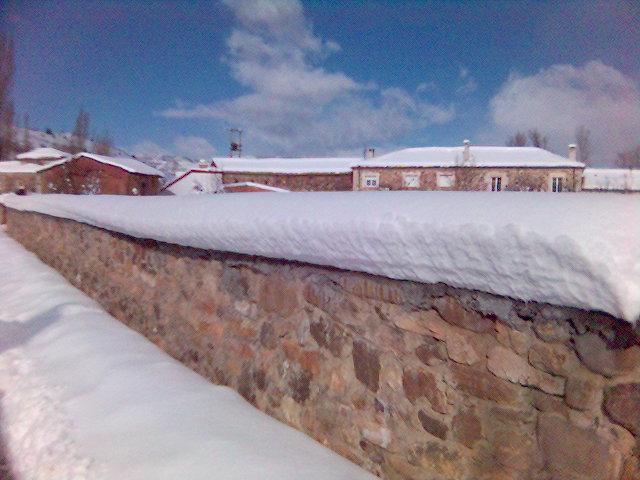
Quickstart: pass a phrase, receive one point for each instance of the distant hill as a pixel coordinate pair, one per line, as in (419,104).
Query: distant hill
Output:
(169,165)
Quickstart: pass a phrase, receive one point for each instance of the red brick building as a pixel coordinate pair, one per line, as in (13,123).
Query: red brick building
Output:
(98,174)
(84,173)
(32,171)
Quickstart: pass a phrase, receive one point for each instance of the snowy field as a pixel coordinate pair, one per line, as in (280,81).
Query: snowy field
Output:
(571,249)
(84,397)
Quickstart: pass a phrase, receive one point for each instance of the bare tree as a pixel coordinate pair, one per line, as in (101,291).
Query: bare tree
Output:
(469,179)
(80,133)
(538,139)
(7,66)
(583,141)
(103,144)
(26,135)
(519,139)
(629,159)
(524,181)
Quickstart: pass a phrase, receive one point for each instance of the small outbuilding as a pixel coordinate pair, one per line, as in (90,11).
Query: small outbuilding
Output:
(33,171)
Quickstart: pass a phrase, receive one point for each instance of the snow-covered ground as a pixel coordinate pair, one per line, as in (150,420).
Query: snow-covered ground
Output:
(84,397)
(572,249)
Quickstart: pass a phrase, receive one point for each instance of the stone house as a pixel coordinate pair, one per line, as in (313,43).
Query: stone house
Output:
(470,168)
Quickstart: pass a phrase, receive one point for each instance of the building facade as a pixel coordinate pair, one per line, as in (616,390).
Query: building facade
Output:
(464,168)
(98,174)
(470,168)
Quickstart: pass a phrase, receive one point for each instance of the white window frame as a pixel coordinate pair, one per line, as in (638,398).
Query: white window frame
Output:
(411,179)
(496,183)
(558,184)
(370,181)
(450,180)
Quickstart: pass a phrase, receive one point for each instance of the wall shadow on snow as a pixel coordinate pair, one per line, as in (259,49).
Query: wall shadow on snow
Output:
(15,334)
(6,471)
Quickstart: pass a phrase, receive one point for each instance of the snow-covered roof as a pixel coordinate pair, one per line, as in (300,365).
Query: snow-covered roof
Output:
(611,179)
(195,181)
(573,249)
(480,156)
(294,166)
(261,186)
(17,166)
(128,164)
(42,153)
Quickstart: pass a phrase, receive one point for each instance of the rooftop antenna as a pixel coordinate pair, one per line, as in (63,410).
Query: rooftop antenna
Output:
(235,142)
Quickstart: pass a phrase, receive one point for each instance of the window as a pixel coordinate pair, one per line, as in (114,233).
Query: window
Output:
(411,180)
(370,180)
(556,184)
(445,180)
(496,184)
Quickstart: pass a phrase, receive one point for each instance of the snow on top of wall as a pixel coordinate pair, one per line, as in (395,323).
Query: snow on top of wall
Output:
(42,153)
(572,249)
(128,164)
(261,186)
(293,166)
(85,397)
(480,156)
(194,182)
(17,166)
(615,179)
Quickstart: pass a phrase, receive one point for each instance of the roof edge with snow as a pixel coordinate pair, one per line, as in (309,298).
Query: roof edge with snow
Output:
(130,165)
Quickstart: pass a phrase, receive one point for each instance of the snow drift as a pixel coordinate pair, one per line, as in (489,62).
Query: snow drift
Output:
(580,250)
(84,397)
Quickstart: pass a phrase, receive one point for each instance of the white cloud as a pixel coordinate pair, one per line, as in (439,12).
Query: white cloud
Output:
(560,98)
(293,105)
(426,86)
(470,85)
(187,146)
(194,147)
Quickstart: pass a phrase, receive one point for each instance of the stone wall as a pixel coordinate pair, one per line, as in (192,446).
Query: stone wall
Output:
(315,182)
(409,380)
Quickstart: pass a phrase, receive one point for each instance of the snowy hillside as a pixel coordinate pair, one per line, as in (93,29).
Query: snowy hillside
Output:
(58,140)
(167,164)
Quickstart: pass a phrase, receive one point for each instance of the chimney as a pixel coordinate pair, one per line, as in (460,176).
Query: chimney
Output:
(466,154)
(203,164)
(573,154)
(369,153)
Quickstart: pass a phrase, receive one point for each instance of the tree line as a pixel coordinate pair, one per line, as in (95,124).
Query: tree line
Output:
(535,138)
(80,139)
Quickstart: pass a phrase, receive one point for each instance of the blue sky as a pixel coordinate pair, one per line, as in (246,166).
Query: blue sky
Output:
(328,78)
